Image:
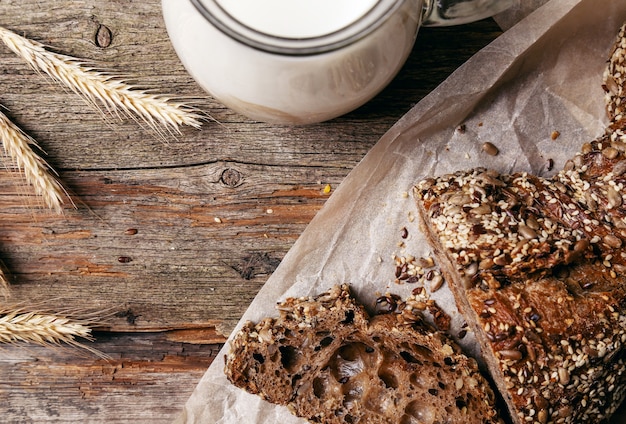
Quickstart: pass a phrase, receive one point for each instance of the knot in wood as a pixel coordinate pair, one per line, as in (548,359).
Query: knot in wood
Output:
(231,177)
(103,36)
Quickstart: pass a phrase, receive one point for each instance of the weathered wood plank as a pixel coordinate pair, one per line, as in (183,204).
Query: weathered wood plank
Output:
(124,176)
(146,377)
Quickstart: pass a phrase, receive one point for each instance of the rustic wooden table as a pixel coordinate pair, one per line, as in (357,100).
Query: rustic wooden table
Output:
(188,276)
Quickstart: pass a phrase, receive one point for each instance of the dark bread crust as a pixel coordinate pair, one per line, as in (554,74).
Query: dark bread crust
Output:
(329,362)
(538,267)
(546,304)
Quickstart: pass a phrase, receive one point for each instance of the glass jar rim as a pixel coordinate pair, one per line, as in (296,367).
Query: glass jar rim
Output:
(213,12)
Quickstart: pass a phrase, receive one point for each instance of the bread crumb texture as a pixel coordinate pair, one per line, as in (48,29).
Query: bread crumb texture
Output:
(330,362)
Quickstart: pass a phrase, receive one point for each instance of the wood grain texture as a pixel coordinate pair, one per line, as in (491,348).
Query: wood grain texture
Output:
(123,176)
(186,277)
(147,378)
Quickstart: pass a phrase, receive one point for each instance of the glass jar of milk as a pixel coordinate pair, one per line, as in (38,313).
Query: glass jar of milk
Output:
(304,61)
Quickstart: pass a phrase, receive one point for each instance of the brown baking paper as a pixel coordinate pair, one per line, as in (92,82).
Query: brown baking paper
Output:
(542,75)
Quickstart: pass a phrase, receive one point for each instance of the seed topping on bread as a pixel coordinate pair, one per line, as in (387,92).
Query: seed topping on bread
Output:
(538,265)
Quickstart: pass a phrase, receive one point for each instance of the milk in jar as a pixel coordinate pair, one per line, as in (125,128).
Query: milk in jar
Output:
(303,61)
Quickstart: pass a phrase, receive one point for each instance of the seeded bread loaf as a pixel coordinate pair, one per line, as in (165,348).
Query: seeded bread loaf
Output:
(329,362)
(538,268)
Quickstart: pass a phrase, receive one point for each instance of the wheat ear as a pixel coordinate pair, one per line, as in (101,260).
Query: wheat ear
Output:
(17,146)
(18,325)
(96,87)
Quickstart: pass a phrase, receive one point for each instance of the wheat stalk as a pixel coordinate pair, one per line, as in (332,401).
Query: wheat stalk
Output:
(97,87)
(18,325)
(17,146)
(43,329)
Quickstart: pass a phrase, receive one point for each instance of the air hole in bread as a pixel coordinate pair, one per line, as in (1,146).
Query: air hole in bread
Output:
(288,357)
(423,351)
(409,358)
(326,341)
(407,419)
(319,387)
(418,350)
(416,380)
(349,318)
(352,391)
(348,361)
(351,351)
(388,378)
(258,357)
(417,412)
(294,380)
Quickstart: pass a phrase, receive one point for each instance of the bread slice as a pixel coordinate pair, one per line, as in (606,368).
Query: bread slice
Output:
(538,268)
(329,362)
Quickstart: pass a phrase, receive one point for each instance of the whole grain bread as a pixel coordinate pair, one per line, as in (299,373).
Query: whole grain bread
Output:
(538,268)
(330,362)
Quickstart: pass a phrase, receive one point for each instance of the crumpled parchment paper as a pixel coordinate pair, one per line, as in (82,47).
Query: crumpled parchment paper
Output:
(542,75)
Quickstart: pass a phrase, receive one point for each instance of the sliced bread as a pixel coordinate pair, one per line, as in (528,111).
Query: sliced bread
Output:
(330,362)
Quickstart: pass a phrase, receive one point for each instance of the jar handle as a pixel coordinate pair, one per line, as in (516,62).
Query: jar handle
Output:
(456,12)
